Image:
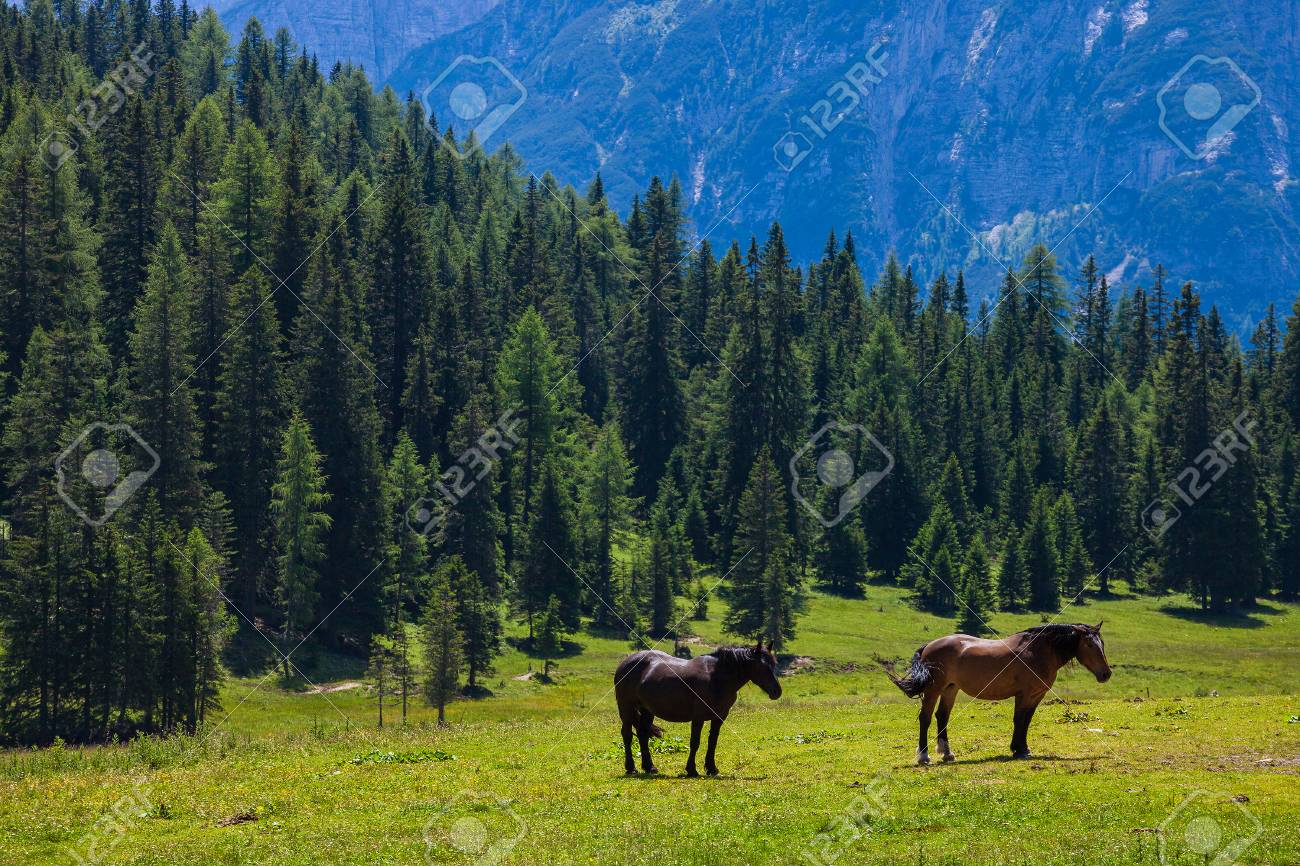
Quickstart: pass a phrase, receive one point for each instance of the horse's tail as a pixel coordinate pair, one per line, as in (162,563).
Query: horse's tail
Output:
(918,677)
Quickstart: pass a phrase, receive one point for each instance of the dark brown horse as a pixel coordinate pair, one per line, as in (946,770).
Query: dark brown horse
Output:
(651,683)
(1022,666)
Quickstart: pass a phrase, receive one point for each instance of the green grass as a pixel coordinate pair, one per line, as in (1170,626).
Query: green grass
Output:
(308,780)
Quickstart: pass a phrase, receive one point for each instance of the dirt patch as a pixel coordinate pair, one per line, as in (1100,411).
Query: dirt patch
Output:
(1285,764)
(334,687)
(799,664)
(523,678)
(238,818)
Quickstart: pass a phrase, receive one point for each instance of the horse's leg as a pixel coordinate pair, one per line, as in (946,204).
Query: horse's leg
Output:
(643,729)
(628,718)
(1025,707)
(928,700)
(946,700)
(715,727)
(696,727)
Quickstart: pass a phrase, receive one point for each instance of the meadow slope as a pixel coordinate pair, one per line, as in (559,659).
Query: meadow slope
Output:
(1200,708)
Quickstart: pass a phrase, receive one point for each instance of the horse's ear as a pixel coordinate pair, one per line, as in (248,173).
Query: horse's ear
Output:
(1097,627)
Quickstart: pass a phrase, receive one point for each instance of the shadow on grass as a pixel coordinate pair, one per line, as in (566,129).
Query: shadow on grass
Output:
(1007,759)
(568,648)
(1241,618)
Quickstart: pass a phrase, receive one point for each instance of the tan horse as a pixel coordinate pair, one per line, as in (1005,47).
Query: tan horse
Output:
(1022,666)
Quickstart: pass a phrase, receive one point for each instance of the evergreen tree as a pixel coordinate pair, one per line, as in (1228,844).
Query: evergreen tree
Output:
(606,511)
(1039,557)
(251,408)
(298,499)
(1075,565)
(162,356)
(765,594)
(975,594)
(546,572)
(443,646)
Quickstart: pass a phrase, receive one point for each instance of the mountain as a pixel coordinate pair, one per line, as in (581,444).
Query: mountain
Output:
(375,34)
(1018,120)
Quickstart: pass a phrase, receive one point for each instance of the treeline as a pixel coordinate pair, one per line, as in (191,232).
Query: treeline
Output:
(310,299)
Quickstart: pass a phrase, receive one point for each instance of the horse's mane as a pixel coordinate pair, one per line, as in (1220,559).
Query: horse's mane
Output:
(1062,637)
(736,656)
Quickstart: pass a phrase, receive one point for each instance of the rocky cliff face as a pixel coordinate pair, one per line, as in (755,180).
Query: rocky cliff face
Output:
(1022,121)
(374,33)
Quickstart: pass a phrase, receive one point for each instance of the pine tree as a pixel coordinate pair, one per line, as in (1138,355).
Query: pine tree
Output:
(840,554)
(479,620)
(162,360)
(935,586)
(1013,579)
(1075,565)
(765,594)
(1039,556)
(383,656)
(443,646)
(546,572)
(660,573)
(298,499)
(251,408)
(974,595)
(606,511)
(528,373)
(650,386)
(245,197)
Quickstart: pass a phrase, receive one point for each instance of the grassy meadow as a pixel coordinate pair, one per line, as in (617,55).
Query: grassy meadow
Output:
(1192,748)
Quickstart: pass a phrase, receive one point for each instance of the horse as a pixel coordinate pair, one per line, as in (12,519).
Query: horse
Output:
(1022,666)
(651,683)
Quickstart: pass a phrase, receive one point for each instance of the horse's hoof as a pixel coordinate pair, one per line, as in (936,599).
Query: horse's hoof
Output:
(923,761)
(1021,755)
(652,771)
(712,771)
(948,758)
(630,771)
(691,773)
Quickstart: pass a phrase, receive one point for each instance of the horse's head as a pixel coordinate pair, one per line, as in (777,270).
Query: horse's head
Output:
(1092,651)
(762,669)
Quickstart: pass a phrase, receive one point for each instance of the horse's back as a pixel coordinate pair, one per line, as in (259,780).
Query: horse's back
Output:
(631,668)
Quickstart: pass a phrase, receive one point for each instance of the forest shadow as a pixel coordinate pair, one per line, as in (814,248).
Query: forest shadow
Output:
(1242,618)
(568,648)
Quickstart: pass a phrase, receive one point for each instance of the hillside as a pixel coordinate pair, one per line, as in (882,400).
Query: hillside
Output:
(1019,118)
(536,767)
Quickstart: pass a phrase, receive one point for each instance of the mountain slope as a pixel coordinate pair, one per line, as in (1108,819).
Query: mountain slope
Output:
(1015,119)
(376,34)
